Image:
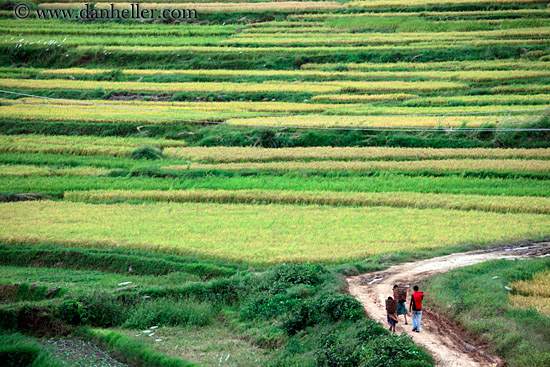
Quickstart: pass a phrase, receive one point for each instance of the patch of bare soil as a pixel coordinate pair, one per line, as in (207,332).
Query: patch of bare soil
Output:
(449,343)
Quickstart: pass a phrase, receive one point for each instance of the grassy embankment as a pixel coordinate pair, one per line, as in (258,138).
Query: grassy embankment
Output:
(477,297)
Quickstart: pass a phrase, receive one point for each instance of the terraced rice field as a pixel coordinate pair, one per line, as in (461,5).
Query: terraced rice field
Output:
(260,235)
(241,190)
(209,180)
(382,66)
(354,59)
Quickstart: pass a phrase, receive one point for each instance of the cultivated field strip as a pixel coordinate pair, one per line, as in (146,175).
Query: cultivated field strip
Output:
(499,204)
(391,122)
(22,112)
(227,87)
(312,50)
(511,166)
(21,170)
(176,149)
(313,17)
(534,293)
(288,233)
(249,154)
(538,286)
(473,76)
(63,30)
(79,145)
(442,65)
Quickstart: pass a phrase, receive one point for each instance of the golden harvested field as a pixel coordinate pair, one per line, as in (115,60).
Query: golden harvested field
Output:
(382,122)
(271,113)
(41,171)
(79,145)
(443,65)
(250,154)
(260,234)
(476,76)
(533,293)
(211,87)
(442,165)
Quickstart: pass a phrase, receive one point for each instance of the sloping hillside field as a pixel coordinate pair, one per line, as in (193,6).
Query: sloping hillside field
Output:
(187,184)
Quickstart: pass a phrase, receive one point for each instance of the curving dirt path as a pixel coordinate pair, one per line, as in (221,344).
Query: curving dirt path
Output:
(449,343)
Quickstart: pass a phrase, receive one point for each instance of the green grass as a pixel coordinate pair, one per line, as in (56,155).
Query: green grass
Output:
(205,346)
(261,234)
(289,311)
(502,204)
(80,282)
(386,182)
(476,297)
(18,350)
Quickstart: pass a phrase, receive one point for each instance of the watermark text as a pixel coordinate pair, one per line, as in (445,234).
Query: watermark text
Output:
(107,11)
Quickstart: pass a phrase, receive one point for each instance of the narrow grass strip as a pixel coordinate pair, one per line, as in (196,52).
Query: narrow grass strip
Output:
(443,166)
(79,145)
(39,171)
(501,204)
(441,65)
(228,87)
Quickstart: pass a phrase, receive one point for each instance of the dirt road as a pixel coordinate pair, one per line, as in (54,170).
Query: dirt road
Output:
(450,344)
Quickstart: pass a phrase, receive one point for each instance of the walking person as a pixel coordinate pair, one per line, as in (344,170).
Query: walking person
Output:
(416,308)
(391,307)
(400,294)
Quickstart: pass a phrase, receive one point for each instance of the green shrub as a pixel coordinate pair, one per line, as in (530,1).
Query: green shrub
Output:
(73,312)
(225,290)
(300,291)
(390,350)
(267,307)
(370,330)
(338,306)
(299,274)
(331,352)
(302,315)
(147,152)
(104,310)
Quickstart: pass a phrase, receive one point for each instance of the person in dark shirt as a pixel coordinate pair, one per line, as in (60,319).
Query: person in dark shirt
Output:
(415,307)
(391,307)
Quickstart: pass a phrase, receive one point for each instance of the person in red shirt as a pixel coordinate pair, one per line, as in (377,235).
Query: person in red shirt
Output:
(415,308)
